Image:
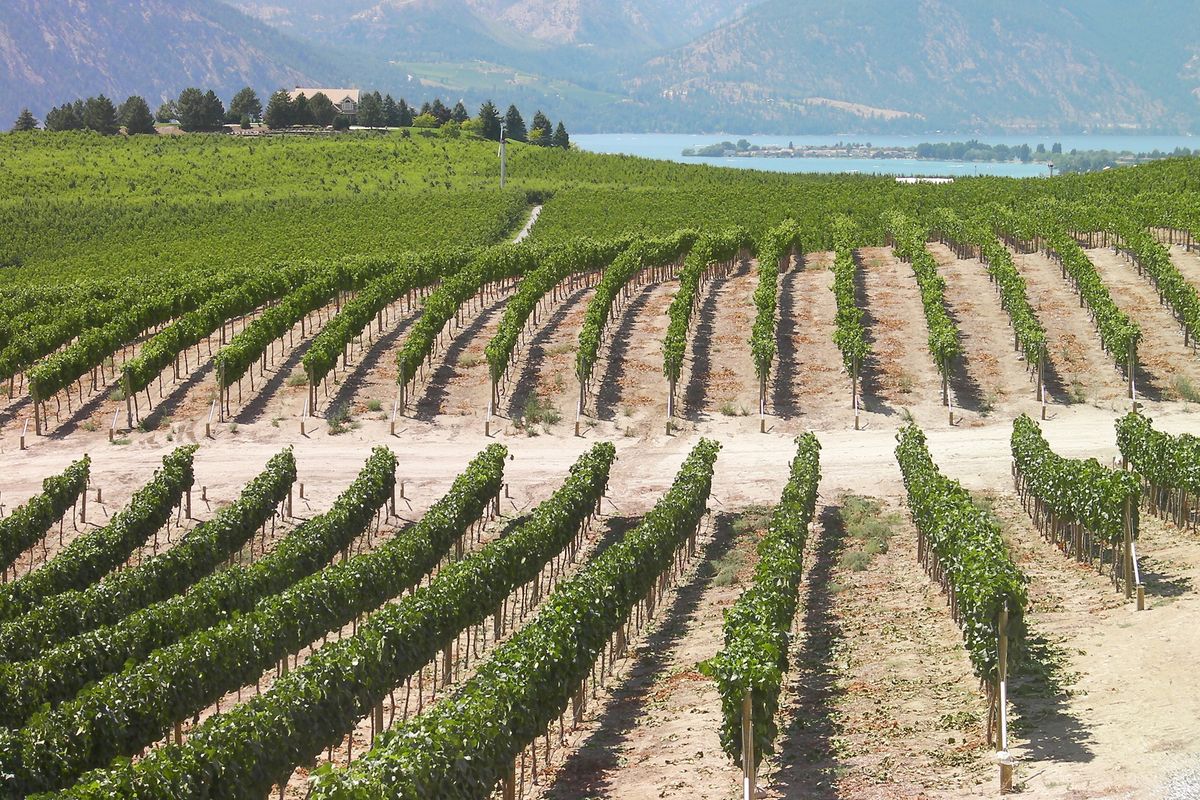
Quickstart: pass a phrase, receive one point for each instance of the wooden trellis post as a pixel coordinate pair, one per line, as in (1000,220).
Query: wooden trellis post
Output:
(749,779)
(1006,764)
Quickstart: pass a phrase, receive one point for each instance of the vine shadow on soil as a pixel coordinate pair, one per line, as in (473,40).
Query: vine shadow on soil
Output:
(437,388)
(588,771)
(608,390)
(535,355)
(868,371)
(1038,692)
(806,746)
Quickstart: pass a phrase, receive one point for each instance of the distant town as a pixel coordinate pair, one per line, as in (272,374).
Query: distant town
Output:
(968,151)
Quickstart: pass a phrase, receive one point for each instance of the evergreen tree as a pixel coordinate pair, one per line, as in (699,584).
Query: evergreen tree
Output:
(279,110)
(405,115)
(166,112)
(541,132)
(391,112)
(426,108)
(370,111)
(100,115)
(25,121)
(245,104)
(214,111)
(190,109)
(459,114)
(489,121)
(301,113)
(514,126)
(67,117)
(135,116)
(321,109)
(439,111)
(561,139)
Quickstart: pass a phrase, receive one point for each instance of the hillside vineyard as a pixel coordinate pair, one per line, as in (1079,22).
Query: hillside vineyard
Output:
(317,480)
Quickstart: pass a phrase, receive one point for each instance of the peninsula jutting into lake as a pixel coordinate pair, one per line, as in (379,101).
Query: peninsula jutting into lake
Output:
(971,151)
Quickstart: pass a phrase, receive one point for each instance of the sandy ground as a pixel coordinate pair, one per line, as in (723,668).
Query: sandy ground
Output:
(871,707)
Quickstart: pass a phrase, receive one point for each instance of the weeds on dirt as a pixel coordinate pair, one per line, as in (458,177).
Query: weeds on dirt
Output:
(469,362)
(905,383)
(124,440)
(339,420)
(747,523)
(730,409)
(1076,395)
(297,379)
(907,415)
(90,426)
(560,349)
(374,405)
(118,393)
(536,412)
(1185,389)
(868,530)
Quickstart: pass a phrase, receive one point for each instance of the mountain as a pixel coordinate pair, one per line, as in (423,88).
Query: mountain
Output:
(937,64)
(782,66)
(53,51)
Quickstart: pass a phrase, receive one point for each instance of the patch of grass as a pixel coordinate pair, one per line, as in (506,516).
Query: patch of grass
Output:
(988,404)
(906,383)
(1185,389)
(124,440)
(537,412)
(1076,394)
(868,530)
(560,349)
(470,362)
(746,524)
(297,379)
(118,393)
(233,428)
(374,405)
(90,426)
(907,416)
(339,419)
(275,421)
(730,409)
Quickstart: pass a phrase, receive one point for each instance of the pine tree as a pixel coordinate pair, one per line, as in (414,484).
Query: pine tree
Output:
(166,112)
(405,115)
(489,121)
(561,139)
(214,111)
(301,113)
(100,115)
(135,116)
(321,110)
(541,132)
(279,110)
(514,126)
(245,104)
(67,117)
(25,121)
(391,112)
(459,114)
(370,111)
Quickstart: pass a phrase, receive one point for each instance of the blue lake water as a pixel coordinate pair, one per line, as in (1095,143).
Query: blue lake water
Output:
(670,146)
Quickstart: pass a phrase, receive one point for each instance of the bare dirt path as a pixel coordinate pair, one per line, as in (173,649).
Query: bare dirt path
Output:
(1078,369)
(718,374)
(900,373)
(630,388)
(1188,262)
(992,372)
(1166,364)
(809,382)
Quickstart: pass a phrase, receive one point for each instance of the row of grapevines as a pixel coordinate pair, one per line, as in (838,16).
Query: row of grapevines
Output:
(641,255)
(259,743)
(414,272)
(183,679)
(32,343)
(195,555)
(61,672)
(1083,491)
(849,334)
(1014,299)
(1164,460)
(909,238)
(462,746)
(580,256)
(24,527)
(59,370)
(969,549)
(1119,334)
(709,250)
(195,326)
(773,249)
(92,555)
(755,654)
(495,264)
(1172,287)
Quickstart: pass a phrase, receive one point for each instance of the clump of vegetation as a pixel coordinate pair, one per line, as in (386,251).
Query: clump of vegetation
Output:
(1185,389)
(731,409)
(339,420)
(537,412)
(906,383)
(1076,394)
(374,405)
(297,378)
(868,530)
(733,561)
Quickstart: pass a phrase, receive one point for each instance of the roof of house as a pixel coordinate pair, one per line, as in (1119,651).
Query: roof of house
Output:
(335,95)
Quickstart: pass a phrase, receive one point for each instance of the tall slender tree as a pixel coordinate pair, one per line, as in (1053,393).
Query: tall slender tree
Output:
(25,121)
(67,117)
(279,110)
(514,125)
(405,115)
(561,139)
(541,131)
(135,116)
(321,109)
(489,121)
(391,112)
(370,111)
(301,113)
(100,115)
(459,114)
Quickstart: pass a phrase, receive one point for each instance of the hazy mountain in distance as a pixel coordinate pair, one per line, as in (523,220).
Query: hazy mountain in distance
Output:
(54,51)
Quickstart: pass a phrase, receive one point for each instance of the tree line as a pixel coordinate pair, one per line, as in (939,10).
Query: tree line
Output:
(197,110)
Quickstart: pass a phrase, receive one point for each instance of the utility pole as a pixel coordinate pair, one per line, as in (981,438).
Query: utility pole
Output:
(503,157)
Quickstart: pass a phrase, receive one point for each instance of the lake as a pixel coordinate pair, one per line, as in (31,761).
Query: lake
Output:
(669,146)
